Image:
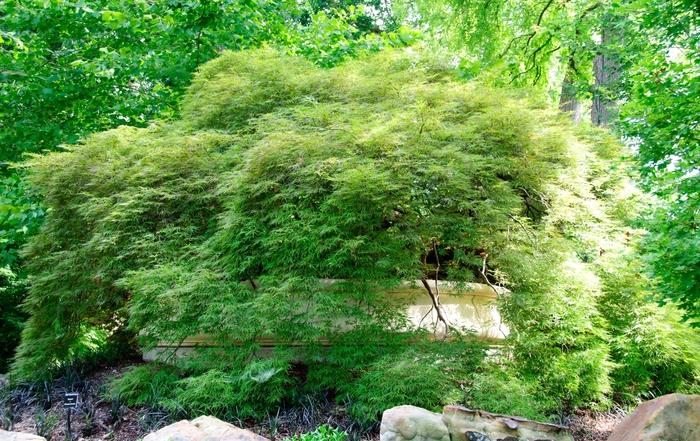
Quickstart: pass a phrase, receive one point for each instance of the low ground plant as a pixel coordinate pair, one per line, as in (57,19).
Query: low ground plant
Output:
(322,433)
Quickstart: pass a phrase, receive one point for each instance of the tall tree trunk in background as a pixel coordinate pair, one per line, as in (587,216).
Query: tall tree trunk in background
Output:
(568,100)
(606,70)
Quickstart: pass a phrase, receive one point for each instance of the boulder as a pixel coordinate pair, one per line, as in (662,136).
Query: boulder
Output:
(404,423)
(180,431)
(673,417)
(204,428)
(224,431)
(475,425)
(19,436)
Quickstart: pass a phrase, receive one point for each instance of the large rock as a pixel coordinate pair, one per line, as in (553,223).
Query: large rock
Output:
(674,417)
(474,425)
(18,436)
(224,431)
(204,428)
(180,431)
(403,423)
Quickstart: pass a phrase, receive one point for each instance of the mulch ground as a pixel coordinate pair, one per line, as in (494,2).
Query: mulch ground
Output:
(586,425)
(41,411)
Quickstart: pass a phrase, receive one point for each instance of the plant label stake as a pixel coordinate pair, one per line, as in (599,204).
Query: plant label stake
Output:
(70,402)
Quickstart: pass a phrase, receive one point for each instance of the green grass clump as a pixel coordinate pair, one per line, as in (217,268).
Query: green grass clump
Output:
(281,176)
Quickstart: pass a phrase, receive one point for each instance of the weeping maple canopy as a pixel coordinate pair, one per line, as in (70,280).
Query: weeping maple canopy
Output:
(374,172)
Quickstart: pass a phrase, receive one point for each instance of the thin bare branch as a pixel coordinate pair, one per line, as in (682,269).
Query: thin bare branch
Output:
(437,306)
(483,274)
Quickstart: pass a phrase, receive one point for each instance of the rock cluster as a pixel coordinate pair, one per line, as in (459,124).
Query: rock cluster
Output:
(456,423)
(673,417)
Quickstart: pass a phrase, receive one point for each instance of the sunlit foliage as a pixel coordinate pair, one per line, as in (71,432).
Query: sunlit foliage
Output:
(279,176)
(68,69)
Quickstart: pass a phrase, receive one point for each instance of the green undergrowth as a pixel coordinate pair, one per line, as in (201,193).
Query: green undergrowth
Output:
(288,198)
(322,433)
(502,390)
(425,374)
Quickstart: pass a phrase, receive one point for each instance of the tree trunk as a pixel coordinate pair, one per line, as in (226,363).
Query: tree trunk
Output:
(606,70)
(568,101)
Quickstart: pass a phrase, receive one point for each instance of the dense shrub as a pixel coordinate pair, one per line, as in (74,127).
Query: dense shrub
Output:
(289,198)
(251,392)
(262,386)
(102,63)
(425,376)
(146,385)
(503,391)
(655,353)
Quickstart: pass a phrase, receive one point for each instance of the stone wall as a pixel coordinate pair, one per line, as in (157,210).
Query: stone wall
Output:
(471,306)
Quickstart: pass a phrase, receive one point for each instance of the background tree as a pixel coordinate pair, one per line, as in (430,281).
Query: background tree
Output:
(20,217)
(661,116)
(595,55)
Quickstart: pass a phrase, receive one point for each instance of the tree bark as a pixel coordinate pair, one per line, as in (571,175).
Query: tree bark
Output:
(568,100)
(606,70)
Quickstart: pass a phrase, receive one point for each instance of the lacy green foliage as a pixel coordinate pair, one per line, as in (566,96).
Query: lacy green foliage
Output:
(289,198)
(651,73)
(250,392)
(655,353)
(322,433)
(74,68)
(502,391)
(429,377)
(422,379)
(144,385)
(259,388)
(146,226)
(340,365)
